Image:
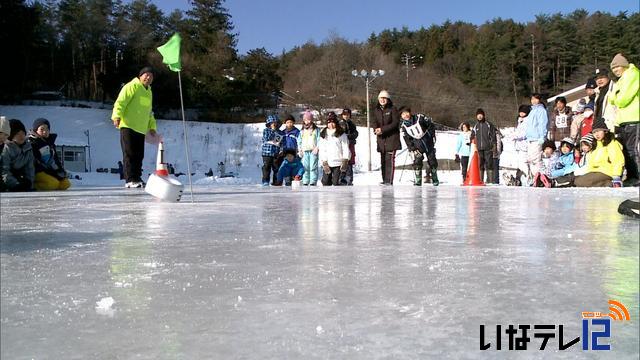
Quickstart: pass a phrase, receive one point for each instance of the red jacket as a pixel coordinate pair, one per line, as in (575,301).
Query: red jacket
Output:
(586,126)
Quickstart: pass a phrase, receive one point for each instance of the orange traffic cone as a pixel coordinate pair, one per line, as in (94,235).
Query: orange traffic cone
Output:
(161,166)
(473,172)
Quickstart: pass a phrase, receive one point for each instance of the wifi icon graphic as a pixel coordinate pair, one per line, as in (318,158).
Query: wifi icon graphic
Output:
(618,311)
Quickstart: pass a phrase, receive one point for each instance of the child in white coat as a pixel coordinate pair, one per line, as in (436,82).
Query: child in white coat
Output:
(333,151)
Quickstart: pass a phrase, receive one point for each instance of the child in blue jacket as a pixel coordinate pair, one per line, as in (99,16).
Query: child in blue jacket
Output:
(566,161)
(308,141)
(291,168)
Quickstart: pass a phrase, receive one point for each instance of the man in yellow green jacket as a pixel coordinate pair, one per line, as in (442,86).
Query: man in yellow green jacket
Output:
(625,97)
(133,115)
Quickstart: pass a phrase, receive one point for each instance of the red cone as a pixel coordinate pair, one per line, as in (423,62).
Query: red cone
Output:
(473,172)
(161,166)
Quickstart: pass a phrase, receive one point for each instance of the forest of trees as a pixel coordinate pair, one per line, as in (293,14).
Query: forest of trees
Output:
(87,48)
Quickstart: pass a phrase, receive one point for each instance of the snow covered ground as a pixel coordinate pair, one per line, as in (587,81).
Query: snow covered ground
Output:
(363,272)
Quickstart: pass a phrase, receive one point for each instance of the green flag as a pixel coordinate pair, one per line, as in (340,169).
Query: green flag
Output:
(171,53)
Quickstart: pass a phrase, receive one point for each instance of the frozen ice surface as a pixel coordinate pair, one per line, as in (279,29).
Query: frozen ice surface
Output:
(360,272)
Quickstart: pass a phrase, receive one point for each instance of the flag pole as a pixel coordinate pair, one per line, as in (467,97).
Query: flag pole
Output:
(186,140)
(170,52)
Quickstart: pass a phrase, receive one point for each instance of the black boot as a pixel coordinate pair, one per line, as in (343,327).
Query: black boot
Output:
(418,181)
(434,177)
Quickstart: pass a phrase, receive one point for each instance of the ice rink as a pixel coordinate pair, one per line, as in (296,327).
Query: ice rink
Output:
(364,272)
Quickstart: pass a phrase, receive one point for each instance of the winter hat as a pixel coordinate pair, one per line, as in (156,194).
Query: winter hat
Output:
(525,109)
(4,126)
(307,115)
(272,119)
(146,69)
(346,111)
(569,141)
(39,122)
(591,84)
(601,72)
(581,105)
(384,94)
(588,139)
(619,60)
(16,126)
(480,111)
(332,117)
(599,124)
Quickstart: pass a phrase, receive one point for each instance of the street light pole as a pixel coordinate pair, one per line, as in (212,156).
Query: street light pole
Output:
(86,132)
(368,127)
(368,78)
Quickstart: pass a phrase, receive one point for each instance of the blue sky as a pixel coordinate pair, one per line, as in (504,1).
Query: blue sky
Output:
(283,24)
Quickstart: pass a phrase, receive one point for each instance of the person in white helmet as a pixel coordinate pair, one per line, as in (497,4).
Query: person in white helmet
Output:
(387,130)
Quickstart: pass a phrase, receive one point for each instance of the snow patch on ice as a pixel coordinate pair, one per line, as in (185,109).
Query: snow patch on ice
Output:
(215,180)
(152,265)
(104,306)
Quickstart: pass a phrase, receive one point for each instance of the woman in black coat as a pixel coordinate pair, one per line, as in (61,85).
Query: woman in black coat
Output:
(387,130)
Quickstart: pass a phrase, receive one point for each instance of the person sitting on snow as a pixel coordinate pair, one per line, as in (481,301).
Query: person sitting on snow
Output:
(50,175)
(605,162)
(579,166)
(18,172)
(420,136)
(549,159)
(562,172)
(291,168)
(586,145)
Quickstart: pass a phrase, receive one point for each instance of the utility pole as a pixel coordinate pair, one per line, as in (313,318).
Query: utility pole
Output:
(406,59)
(368,77)
(533,66)
(86,132)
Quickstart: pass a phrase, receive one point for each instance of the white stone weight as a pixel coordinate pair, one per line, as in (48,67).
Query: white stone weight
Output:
(164,188)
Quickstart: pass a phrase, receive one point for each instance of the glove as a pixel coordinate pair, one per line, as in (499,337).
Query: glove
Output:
(616,182)
(457,158)
(325,168)
(296,178)
(344,165)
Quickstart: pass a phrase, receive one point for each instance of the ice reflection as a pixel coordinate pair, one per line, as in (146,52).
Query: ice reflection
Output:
(369,272)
